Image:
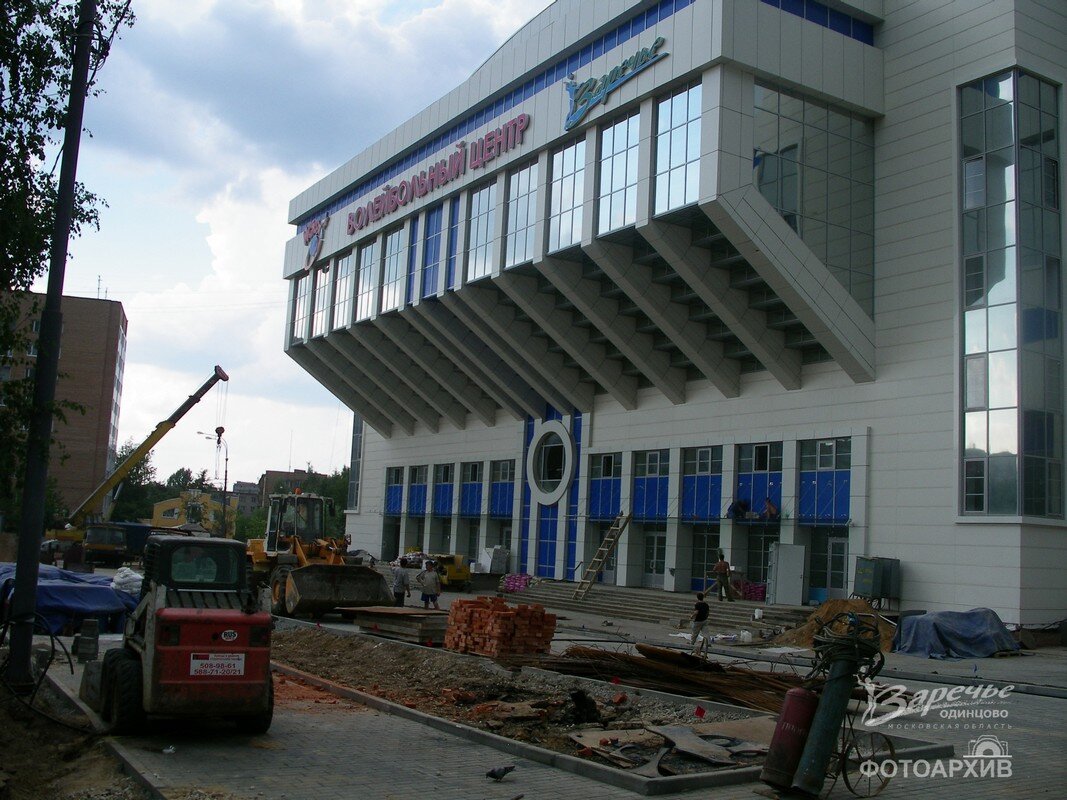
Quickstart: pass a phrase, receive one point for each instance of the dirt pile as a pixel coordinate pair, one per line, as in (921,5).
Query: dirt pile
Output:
(474,691)
(43,758)
(802,636)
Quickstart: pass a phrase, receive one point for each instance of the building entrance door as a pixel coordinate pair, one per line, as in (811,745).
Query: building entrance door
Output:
(837,568)
(655,559)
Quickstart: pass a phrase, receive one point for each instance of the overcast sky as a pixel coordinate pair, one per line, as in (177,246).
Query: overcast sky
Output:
(215,113)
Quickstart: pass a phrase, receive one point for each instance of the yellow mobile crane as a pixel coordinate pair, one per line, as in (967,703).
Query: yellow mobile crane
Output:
(87,523)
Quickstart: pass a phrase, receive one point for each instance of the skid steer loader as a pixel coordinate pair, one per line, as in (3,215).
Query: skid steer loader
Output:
(307,573)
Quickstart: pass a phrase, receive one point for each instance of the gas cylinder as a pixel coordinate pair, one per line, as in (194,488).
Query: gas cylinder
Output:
(790,735)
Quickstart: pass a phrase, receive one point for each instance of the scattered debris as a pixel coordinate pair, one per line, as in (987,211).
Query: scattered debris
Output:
(802,636)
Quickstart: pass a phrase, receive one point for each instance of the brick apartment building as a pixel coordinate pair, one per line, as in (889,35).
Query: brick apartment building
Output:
(278,482)
(91,363)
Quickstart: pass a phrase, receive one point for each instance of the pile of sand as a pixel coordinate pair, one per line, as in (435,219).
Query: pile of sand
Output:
(802,636)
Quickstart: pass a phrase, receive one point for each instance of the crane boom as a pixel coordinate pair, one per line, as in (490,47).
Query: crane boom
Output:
(91,504)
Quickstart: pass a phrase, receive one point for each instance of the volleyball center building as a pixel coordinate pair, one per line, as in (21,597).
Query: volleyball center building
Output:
(766,274)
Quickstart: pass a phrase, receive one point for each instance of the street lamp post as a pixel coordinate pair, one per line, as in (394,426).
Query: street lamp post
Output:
(220,442)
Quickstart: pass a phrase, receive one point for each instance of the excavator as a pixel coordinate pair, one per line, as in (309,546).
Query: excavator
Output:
(87,523)
(307,572)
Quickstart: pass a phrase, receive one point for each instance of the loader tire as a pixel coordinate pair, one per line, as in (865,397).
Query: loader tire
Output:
(127,708)
(255,724)
(107,678)
(277,591)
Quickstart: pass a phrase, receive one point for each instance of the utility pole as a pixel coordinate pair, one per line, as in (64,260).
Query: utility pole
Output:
(24,597)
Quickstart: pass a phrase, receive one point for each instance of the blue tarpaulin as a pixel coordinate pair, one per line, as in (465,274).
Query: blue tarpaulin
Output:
(978,633)
(66,598)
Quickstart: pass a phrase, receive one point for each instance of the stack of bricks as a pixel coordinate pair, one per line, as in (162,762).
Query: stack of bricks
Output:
(490,627)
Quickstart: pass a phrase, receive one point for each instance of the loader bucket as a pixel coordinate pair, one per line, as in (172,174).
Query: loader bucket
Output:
(320,588)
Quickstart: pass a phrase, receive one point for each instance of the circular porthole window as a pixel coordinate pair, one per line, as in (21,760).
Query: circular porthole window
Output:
(550,462)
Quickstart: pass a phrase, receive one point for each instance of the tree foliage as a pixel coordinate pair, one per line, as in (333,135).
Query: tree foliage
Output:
(334,486)
(36,54)
(140,490)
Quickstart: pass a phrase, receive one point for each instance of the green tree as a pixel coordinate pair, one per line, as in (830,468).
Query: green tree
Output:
(140,490)
(335,487)
(36,53)
(179,481)
(251,526)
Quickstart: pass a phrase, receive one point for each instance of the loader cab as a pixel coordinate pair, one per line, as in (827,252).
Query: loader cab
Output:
(296,515)
(192,563)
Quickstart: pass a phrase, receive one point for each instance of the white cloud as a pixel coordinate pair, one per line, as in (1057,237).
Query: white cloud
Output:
(215,116)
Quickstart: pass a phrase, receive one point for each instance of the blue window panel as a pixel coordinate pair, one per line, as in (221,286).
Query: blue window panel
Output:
(774,490)
(793,7)
(760,489)
(744,487)
(816,12)
(611,40)
(774,3)
(806,496)
(604,498)
(714,497)
(453,236)
(470,500)
(839,22)
(442,500)
(650,498)
(624,32)
(431,256)
(571,555)
(413,236)
(842,492)
(690,501)
(394,500)
(524,535)
(546,541)
(824,501)
(417,499)
(501,499)
(862,32)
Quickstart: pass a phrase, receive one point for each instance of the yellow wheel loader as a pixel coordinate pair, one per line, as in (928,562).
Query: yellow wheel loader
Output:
(307,572)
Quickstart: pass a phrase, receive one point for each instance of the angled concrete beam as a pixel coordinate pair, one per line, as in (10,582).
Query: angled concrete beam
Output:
(496,364)
(620,329)
(798,277)
(474,320)
(497,370)
(355,378)
(381,375)
(506,324)
(654,300)
(416,378)
(730,305)
(576,341)
(427,355)
(463,362)
(355,401)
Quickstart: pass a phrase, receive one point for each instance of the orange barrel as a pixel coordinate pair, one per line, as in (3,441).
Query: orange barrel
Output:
(790,735)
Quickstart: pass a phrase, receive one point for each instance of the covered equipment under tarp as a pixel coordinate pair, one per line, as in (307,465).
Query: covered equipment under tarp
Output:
(66,598)
(978,633)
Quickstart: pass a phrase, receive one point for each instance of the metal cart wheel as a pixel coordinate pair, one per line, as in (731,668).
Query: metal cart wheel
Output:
(866,748)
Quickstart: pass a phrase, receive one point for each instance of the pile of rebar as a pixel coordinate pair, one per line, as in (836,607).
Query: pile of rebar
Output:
(666,670)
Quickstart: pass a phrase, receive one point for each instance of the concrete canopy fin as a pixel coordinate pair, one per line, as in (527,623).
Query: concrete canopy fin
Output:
(417,379)
(475,321)
(520,335)
(493,368)
(463,362)
(654,300)
(426,354)
(355,401)
(730,305)
(620,329)
(575,340)
(798,277)
(356,379)
(381,375)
